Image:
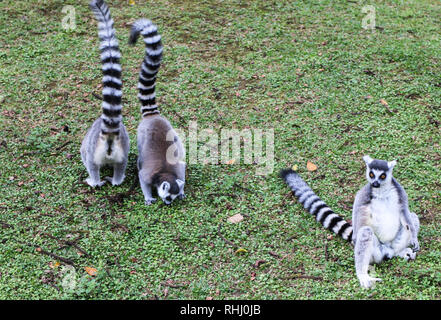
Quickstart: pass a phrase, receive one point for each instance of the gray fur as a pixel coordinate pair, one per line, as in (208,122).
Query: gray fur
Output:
(94,154)
(107,141)
(383,225)
(160,151)
(160,160)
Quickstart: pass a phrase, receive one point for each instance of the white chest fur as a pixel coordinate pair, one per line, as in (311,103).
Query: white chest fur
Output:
(101,156)
(385,214)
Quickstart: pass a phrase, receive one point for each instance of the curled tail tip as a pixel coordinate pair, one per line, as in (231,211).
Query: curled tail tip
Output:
(284,173)
(136,29)
(95,3)
(134,34)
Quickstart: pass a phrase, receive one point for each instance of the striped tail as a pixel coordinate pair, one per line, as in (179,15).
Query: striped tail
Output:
(316,206)
(110,56)
(150,64)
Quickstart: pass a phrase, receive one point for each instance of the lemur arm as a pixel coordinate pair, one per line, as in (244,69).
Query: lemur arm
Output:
(405,217)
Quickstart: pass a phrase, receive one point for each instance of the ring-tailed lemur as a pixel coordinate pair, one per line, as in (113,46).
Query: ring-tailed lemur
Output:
(383,226)
(160,149)
(107,141)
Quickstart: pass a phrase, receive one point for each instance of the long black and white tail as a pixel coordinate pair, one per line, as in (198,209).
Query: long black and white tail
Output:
(316,206)
(150,64)
(111,67)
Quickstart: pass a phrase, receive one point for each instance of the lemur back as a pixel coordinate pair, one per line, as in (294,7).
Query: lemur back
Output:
(107,141)
(383,227)
(160,149)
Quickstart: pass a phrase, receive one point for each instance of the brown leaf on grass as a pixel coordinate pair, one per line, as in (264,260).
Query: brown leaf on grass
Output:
(310,166)
(91,271)
(384,103)
(236,218)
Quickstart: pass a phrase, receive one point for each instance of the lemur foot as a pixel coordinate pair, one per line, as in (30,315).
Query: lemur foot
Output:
(150,201)
(408,254)
(182,196)
(94,184)
(113,182)
(367,281)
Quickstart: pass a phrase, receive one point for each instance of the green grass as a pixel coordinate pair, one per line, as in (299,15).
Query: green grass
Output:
(305,68)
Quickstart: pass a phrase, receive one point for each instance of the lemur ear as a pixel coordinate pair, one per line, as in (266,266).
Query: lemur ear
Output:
(165,186)
(391,164)
(367,159)
(180,183)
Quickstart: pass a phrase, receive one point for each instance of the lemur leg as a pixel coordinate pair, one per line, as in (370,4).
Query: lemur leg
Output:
(402,241)
(118,174)
(416,221)
(94,175)
(181,175)
(366,251)
(146,189)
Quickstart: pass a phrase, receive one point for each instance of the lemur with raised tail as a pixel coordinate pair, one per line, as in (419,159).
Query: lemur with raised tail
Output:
(383,227)
(160,151)
(107,141)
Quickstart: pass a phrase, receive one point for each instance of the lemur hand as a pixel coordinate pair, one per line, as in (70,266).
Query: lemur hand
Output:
(415,244)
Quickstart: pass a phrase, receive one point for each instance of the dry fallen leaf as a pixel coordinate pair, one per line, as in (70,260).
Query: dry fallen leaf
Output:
(236,218)
(384,102)
(310,166)
(91,271)
(232,161)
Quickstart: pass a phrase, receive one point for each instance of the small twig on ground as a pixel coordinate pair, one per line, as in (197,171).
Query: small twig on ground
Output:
(97,96)
(30,153)
(53,255)
(223,238)
(303,276)
(63,145)
(68,243)
(275,255)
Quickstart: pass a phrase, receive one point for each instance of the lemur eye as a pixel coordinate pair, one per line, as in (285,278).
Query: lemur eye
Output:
(383,176)
(371,174)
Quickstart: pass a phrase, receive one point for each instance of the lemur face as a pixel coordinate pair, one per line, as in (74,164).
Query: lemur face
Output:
(378,172)
(170,191)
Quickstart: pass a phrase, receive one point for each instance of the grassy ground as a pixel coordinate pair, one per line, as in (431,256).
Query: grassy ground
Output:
(305,68)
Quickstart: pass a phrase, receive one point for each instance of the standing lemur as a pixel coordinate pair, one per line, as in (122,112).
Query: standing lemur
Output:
(160,151)
(383,226)
(107,141)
